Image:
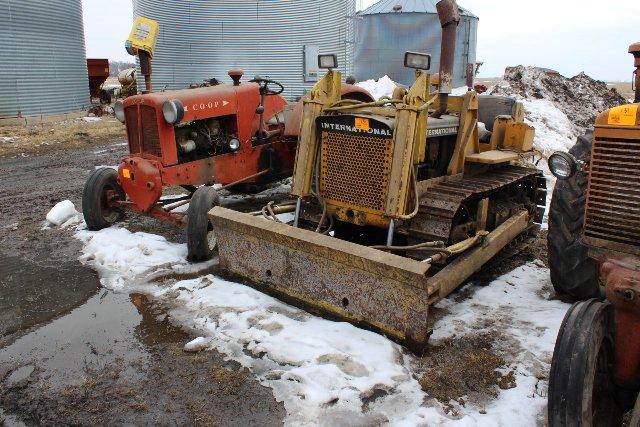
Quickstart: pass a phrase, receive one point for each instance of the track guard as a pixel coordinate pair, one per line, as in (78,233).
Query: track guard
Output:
(357,284)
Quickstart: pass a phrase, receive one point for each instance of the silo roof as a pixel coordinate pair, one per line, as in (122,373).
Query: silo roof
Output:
(408,6)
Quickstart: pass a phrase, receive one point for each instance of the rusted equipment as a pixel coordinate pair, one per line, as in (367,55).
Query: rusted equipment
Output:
(634,49)
(98,73)
(449,19)
(595,373)
(395,209)
(229,134)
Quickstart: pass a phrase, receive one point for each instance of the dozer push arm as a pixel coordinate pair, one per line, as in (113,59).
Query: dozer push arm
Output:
(324,93)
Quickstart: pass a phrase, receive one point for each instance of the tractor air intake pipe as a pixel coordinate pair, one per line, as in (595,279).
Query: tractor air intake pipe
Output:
(449,19)
(634,49)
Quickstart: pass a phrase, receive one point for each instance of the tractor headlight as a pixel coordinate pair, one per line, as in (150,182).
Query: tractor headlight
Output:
(234,144)
(563,165)
(118,110)
(173,111)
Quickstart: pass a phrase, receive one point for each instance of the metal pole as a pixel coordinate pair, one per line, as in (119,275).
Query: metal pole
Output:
(296,218)
(392,230)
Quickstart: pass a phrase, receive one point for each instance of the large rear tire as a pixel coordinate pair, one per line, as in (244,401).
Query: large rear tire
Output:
(581,388)
(100,189)
(573,273)
(201,241)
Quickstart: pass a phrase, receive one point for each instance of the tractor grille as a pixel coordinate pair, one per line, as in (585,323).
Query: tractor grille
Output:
(613,201)
(354,169)
(133,135)
(150,135)
(147,141)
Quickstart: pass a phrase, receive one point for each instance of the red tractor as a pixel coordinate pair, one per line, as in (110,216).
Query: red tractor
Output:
(594,255)
(229,134)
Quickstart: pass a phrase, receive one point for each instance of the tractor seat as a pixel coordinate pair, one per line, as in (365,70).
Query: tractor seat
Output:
(492,106)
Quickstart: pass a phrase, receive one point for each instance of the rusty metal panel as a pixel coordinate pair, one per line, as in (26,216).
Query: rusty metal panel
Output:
(43,68)
(613,198)
(150,135)
(362,285)
(133,130)
(202,39)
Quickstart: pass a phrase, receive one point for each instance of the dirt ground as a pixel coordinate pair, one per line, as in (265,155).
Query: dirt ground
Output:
(73,353)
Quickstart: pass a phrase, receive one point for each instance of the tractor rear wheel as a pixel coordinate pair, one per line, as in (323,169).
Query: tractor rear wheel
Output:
(581,387)
(573,273)
(201,238)
(100,190)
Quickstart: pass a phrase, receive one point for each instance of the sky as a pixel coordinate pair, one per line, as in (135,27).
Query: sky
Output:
(569,36)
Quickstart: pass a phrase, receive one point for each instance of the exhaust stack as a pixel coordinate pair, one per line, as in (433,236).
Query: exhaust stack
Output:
(634,49)
(449,19)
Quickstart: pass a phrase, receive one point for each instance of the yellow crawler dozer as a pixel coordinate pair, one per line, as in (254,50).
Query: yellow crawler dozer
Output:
(398,201)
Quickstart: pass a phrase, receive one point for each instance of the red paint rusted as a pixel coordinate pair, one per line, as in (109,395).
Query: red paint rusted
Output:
(154,161)
(622,285)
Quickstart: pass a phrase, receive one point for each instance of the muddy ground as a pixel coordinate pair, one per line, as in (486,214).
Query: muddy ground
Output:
(72,352)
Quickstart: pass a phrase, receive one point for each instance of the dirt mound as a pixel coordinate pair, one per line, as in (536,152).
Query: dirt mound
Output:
(580,98)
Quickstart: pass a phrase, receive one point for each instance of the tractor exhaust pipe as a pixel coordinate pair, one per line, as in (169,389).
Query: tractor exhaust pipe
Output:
(449,18)
(634,49)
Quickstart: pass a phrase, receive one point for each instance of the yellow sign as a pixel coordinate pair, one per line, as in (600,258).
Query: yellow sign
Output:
(126,173)
(625,115)
(143,36)
(362,124)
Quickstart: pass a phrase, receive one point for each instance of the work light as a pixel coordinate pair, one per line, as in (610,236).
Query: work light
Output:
(416,60)
(327,62)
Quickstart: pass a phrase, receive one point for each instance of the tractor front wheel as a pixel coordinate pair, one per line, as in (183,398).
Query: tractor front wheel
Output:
(581,386)
(573,272)
(100,191)
(201,238)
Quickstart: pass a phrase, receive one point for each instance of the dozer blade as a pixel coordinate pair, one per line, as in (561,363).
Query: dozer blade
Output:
(361,285)
(354,283)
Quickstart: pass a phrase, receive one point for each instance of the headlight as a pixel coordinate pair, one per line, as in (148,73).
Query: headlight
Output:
(118,110)
(173,111)
(234,144)
(563,165)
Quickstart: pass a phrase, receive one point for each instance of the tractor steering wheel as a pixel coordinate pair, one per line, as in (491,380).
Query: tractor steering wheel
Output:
(264,86)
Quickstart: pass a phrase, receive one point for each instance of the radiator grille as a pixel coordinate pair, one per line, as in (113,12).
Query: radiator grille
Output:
(133,134)
(354,169)
(613,201)
(150,135)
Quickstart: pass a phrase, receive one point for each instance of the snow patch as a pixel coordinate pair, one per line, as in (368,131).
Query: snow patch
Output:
(379,88)
(91,119)
(63,214)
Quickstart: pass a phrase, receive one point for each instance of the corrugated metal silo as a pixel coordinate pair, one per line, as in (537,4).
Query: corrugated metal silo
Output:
(389,28)
(43,68)
(203,39)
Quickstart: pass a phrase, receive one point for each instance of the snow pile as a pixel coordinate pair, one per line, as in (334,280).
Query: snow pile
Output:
(326,372)
(63,214)
(559,108)
(383,86)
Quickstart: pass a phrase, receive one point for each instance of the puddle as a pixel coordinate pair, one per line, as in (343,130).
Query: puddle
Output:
(108,329)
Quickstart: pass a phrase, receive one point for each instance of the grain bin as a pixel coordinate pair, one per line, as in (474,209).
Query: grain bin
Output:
(391,27)
(43,69)
(203,39)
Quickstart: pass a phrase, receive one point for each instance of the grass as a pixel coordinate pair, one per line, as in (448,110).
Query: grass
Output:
(17,139)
